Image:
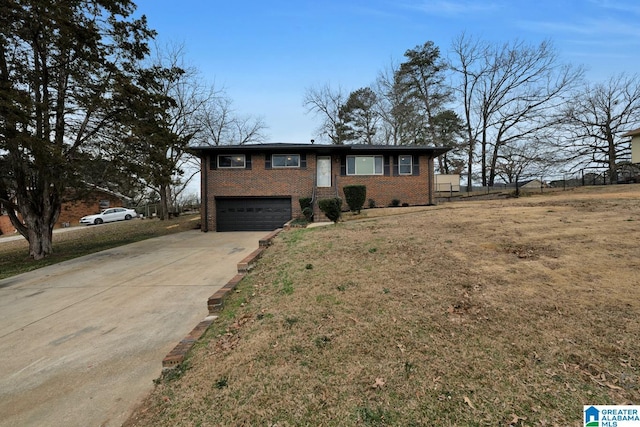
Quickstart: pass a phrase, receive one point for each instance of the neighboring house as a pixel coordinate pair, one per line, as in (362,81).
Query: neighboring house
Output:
(71,211)
(635,144)
(94,201)
(258,187)
(5,224)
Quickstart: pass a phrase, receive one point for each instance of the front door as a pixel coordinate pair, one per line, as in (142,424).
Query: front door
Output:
(324,171)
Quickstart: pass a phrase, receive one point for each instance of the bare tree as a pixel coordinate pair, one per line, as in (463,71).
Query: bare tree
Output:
(191,95)
(326,103)
(161,121)
(217,122)
(222,126)
(469,54)
(524,160)
(509,91)
(249,129)
(597,117)
(198,107)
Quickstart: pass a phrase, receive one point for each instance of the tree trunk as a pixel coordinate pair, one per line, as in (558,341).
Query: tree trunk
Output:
(164,202)
(40,237)
(613,158)
(470,166)
(37,226)
(494,163)
(483,159)
(444,164)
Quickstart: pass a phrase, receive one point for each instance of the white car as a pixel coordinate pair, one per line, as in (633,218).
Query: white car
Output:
(109,215)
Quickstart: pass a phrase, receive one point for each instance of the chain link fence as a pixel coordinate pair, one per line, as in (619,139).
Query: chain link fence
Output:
(585,177)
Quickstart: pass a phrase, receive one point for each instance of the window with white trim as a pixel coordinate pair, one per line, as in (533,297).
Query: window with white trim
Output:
(365,165)
(405,165)
(231,161)
(285,160)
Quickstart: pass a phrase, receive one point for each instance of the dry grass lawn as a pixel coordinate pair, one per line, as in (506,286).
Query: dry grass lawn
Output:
(496,313)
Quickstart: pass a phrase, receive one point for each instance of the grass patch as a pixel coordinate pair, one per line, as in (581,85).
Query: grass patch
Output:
(527,313)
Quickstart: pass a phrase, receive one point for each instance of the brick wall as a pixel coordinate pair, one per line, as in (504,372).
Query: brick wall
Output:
(5,225)
(296,183)
(257,181)
(411,189)
(72,211)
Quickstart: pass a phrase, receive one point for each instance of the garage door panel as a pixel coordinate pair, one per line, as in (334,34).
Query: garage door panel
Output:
(252,213)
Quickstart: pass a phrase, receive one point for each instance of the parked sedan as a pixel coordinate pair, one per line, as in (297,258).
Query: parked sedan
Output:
(109,215)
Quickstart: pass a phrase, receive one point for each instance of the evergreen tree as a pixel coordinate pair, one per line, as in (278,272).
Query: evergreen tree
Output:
(58,65)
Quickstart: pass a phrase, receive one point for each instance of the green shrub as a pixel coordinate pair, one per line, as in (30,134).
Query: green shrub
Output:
(355,196)
(308,213)
(395,203)
(372,203)
(306,207)
(332,208)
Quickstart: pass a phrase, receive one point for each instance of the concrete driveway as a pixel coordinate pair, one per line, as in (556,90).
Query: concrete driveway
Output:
(82,341)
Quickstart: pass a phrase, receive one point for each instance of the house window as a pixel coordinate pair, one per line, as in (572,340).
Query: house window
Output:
(405,164)
(285,161)
(231,161)
(364,165)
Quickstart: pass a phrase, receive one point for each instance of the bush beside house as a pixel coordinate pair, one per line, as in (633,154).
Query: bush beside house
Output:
(332,208)
(355,196)
(306,206)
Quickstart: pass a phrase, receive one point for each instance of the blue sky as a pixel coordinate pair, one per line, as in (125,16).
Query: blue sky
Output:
(266,53)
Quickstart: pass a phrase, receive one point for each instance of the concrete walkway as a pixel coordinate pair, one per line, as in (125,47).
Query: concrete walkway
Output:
(82,341)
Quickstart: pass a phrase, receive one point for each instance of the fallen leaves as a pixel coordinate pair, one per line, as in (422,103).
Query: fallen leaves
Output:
(468,402)
(516,419)
(378,384)
(227,342)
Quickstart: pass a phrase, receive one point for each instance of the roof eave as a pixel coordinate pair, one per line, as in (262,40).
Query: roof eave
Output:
(322,148)
(634,132)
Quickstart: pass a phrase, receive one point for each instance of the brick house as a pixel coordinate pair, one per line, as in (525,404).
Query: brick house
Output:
(72,210)
(258,187)
(95,201)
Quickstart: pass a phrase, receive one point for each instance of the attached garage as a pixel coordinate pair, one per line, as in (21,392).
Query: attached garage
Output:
(252,213)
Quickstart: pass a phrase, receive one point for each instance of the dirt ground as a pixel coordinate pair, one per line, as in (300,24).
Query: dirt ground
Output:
(513,312)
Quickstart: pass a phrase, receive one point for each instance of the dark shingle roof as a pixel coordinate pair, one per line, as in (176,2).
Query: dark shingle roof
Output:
(323,148)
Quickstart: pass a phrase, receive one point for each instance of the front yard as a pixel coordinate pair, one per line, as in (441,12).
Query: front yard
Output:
(500,313)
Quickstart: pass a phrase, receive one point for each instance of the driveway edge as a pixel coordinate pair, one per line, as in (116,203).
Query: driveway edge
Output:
(215,304)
